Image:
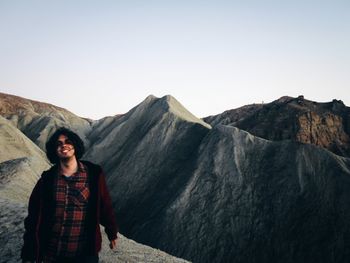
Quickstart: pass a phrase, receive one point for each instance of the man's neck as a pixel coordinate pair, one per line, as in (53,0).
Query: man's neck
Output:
(69,166)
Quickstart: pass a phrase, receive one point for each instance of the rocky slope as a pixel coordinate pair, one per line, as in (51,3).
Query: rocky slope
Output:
(146,152)
(222,194)
(21,163)
(322,124)
(37,120)
(252,200)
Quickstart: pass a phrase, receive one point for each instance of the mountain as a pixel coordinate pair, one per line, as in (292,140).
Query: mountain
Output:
(21,164)
(220,193)
(323,124)
(147,154)
(253,200)
(38,120)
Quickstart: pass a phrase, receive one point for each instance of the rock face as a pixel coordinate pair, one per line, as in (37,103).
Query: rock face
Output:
(322,124)
(38,120)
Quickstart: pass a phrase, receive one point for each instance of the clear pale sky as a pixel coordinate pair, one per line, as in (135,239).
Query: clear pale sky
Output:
(99,58)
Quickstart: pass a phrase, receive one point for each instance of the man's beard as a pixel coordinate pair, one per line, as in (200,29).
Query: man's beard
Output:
(66,159)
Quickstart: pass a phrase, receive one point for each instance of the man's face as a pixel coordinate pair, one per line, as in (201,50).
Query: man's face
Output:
(65,148)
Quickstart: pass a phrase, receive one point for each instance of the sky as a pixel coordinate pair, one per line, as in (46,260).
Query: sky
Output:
(101,58)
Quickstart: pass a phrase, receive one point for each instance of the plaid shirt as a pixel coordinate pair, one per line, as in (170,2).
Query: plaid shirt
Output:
(71,196)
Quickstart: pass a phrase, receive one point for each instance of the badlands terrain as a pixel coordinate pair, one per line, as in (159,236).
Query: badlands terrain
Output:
(262,183)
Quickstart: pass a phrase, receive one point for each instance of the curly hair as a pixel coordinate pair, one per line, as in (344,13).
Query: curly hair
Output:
(51,144)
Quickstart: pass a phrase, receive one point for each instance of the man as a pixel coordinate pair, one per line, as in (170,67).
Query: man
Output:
(67,205)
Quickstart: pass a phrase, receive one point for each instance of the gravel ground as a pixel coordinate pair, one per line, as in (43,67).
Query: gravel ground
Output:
(12,216)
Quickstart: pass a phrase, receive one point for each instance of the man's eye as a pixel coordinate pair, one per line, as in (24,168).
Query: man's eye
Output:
(60,143)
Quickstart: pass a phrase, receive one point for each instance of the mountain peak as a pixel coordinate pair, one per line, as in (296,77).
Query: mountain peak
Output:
(298,119)
(155,105)
(175,107)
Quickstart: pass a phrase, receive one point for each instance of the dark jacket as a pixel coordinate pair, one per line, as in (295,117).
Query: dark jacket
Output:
(38,223)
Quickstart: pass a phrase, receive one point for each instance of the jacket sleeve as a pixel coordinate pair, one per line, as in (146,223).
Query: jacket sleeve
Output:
(107,218)
(30,244)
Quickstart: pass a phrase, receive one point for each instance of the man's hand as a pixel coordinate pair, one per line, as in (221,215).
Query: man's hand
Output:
(113,244)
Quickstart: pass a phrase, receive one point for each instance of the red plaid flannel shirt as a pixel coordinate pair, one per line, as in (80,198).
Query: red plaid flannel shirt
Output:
(72,194)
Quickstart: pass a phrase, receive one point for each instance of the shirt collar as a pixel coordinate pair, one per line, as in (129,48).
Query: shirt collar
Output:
(81,169)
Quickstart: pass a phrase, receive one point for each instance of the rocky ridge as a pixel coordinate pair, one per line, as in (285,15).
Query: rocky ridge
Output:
(37,120)
(323,124)
(21,163)
(217,193)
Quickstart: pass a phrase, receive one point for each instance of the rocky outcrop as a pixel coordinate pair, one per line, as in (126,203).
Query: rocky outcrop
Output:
(38,120)
(322,124)
(326,130)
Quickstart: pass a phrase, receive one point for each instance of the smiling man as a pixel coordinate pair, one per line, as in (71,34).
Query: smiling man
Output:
(67,206)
